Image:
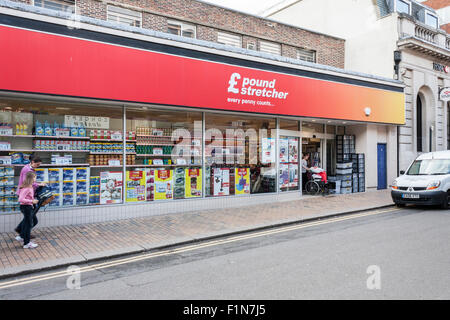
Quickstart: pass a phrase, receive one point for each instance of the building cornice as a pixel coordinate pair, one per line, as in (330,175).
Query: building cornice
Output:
(423,47)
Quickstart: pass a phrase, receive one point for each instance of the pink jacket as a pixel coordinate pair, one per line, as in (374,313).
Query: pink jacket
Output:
(26,196)
(23,174)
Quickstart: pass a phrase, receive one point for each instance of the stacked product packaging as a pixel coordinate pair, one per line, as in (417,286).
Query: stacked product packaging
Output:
(8,197)
(69,185)
(350,167)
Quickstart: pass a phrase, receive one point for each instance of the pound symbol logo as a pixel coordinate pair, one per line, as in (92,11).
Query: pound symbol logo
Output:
(233,82)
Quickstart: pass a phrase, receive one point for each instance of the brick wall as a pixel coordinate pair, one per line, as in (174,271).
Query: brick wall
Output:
(209,19)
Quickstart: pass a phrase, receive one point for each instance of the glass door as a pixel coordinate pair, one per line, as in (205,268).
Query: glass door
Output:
(288,163)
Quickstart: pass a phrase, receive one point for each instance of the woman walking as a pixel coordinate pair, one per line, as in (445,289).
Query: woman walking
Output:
(26,200)
(35,163)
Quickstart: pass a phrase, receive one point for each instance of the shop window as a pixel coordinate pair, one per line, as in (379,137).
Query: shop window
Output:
(240,155)
(81,148)
(312,127)
(168,164)
(124,16)
(289,157)
(331,129)
(181,29)
(289,125)
(58,5)
(340,130)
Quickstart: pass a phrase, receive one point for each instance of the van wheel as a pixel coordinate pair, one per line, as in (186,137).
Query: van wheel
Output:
(445,205)
(400,205)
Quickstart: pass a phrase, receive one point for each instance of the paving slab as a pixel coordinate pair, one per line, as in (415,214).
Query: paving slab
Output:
(77,244)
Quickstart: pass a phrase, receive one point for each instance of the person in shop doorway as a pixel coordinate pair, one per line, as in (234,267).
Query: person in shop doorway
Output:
(35,162)
(305,170)
(27,202)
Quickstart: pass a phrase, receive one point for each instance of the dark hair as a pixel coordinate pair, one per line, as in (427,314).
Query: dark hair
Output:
(35,158)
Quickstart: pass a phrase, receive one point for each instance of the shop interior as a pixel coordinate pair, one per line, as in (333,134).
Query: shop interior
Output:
(84,160)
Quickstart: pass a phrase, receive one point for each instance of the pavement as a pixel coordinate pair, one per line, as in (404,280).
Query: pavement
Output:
(78,244)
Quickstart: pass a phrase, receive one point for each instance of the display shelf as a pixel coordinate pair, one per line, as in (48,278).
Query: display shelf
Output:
(162,165)
(35,150)
(18,136)
(153,155)
(158,144)
(61,137)
(110,140)
(152,136)
(66,165)
(70,151)
(105,166)
(111,153)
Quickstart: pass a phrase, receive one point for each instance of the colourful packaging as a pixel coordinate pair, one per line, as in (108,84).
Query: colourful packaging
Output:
(48,131)
(39,129)
(74,132)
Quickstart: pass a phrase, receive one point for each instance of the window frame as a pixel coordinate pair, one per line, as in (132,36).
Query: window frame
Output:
(60,2)
(314,55)
(231,35)
(270,43)
(427,14)
(182,28)
(123,15)
(404,2)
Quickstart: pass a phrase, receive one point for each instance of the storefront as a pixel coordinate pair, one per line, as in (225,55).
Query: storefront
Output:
(121,119)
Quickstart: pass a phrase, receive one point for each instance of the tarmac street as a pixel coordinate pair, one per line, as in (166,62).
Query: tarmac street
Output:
(386,253)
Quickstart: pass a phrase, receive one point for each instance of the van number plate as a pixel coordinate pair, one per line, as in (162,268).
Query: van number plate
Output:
(410,196)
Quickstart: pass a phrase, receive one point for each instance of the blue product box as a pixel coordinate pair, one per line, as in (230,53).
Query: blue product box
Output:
(54,186)
(68,199)
(81,186)
(68,174)
(82,198)
(67,186)
(81,173)
(53,174)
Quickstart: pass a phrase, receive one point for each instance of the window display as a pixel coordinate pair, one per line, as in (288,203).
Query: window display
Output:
(240,155)
(168,153)
(76,143)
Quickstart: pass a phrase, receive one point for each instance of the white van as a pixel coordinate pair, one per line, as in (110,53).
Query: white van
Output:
(426,182)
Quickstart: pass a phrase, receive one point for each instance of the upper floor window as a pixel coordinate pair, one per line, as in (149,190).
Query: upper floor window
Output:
(306,55)
(402,6)
(59,5)
(229,39)
(431,20)
(124,16)
(181,29)
(270,47)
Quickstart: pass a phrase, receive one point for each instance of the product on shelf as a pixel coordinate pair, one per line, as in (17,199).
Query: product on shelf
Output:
(8,197)
(6,129)
(5,145)
(94,190)
(61,145)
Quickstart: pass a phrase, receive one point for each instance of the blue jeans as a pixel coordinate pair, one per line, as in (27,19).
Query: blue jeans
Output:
(27,222)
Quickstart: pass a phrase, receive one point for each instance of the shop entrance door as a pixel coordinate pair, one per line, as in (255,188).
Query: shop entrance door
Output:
(382,176)
(288,166)
(313,148)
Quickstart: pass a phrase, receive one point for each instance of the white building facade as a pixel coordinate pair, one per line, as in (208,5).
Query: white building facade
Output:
(397,39)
